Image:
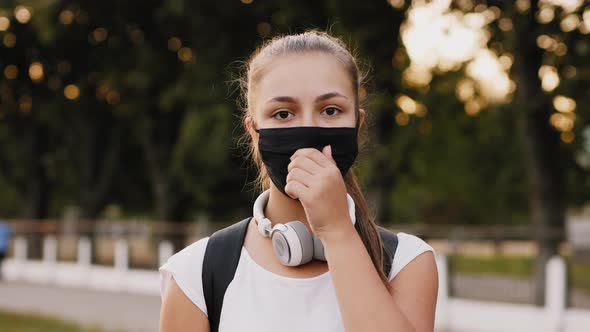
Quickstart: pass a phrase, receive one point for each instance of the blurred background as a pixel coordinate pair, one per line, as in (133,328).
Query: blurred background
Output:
(119,134)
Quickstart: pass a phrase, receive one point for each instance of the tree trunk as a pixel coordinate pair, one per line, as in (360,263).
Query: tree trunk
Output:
(37,185)
(541,147)
(166,197)
(100,146)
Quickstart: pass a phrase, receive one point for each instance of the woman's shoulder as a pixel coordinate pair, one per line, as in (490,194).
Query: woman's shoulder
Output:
(192,252)
(186,266)
(409,247)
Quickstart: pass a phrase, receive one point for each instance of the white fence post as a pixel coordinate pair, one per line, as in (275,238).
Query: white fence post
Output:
(442,304)
(50,249)
(202,226)
(121,255)
(165,250)
(20,248)
(555,292)
(84,252)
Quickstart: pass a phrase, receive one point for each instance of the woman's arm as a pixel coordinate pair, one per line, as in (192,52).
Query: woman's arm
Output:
(179,314)
(365,303)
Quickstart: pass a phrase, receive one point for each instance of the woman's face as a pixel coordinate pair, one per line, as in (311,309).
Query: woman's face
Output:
(304,90)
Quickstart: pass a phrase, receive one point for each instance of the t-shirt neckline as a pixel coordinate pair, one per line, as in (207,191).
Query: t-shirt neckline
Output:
(279,277)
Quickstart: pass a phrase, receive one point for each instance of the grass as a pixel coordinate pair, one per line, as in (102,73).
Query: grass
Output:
(580,276)
(16,322)
(515,266)
(521,267)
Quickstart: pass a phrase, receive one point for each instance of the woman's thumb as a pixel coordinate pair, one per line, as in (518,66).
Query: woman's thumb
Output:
(327,151)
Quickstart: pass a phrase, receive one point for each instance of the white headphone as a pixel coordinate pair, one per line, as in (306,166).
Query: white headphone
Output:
(293,243)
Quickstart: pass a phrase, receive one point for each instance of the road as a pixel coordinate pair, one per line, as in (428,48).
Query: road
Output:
(113,311)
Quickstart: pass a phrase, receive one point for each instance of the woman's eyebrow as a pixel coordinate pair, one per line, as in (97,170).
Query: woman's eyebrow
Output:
(282,99)
(288,99)
(329,95)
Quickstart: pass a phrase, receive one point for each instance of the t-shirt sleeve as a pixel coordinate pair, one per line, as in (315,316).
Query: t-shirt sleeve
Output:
(186,266)
(408,247)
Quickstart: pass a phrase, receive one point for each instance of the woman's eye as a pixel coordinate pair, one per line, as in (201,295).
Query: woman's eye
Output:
(331,111)
(281,115)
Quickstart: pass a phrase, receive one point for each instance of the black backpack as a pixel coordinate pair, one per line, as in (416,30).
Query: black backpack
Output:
(222,255)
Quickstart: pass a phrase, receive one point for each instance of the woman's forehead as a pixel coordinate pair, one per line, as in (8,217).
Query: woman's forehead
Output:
(305,75)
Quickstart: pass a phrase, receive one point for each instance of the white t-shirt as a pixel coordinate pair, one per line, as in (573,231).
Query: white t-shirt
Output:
(262,301)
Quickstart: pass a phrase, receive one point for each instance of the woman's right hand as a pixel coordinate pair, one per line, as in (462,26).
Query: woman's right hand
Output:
(179,314)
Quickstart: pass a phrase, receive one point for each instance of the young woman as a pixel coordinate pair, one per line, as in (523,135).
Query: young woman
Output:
(302,117)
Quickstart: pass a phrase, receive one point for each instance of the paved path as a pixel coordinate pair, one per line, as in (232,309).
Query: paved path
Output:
(113,311)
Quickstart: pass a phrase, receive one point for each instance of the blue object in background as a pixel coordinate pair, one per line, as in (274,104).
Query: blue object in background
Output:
(5,233)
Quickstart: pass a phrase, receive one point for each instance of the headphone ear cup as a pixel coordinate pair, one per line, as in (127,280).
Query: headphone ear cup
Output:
(305,240)
(318,249)
(292,243)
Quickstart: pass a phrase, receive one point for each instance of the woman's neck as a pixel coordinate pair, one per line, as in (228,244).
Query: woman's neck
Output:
(282,209)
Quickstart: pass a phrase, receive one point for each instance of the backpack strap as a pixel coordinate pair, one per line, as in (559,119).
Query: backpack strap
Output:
(222,255)
(390,241)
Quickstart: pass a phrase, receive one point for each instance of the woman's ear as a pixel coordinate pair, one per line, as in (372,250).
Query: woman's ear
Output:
(249,125)
(362,115)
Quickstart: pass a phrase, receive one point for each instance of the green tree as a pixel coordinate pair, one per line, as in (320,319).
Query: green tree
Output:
(540,37)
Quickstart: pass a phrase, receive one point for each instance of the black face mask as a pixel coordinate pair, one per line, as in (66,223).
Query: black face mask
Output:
(277,145)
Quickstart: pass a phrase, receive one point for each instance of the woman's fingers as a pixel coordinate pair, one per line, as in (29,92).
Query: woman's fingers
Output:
(296,190)
(302,176)
(315,155)
(304,163)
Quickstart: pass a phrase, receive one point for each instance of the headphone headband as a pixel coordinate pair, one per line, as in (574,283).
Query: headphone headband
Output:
(264,224)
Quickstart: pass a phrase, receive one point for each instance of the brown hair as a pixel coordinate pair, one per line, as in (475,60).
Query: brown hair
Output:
(313,41)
